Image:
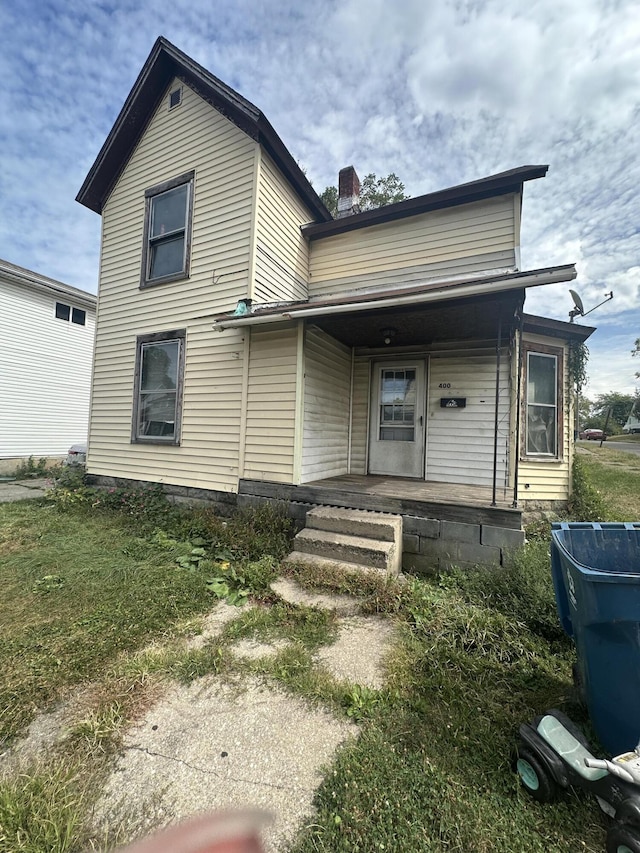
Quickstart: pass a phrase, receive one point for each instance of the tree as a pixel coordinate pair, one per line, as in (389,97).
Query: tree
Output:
(378,192)
(374,192)
(330,200)
(636,351)
(620,406)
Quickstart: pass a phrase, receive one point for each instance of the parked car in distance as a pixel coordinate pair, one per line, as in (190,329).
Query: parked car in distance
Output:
(593,435)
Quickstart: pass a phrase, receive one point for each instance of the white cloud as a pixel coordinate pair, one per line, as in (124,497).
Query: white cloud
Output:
(440,93)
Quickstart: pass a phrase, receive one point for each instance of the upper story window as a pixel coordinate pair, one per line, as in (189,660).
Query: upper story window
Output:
(167,231)
(543,402)
(159,373)
(66,312)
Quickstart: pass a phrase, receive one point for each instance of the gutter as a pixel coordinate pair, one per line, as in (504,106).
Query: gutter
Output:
(21,276)
(447,292)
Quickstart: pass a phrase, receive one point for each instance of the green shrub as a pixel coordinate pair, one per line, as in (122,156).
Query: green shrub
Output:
(586,503)
(30,468)
(248,534)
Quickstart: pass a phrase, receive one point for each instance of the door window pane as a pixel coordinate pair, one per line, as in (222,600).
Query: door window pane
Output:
(397,405)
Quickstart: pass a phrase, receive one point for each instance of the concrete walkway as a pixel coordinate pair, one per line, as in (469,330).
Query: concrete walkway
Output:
(17,490)
(229,743)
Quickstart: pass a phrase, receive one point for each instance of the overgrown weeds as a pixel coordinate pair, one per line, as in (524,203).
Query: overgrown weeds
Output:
(586,502)
(477,653)
(42,809)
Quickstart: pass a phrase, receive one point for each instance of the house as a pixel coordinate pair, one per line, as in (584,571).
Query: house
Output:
(46,349)
(632,424)
(251,347)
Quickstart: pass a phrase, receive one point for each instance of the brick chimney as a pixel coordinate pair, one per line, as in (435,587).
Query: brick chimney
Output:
(348,192)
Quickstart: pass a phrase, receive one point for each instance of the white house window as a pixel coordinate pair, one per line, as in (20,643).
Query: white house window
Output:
(63,312)
(167,231)
(66,312)
(542,404)
(158,388)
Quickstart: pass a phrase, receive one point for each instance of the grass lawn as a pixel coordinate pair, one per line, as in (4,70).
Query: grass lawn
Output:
(617,477)
(86,586)
(78,589)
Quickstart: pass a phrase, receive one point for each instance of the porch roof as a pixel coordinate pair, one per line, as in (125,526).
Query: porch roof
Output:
(407,305)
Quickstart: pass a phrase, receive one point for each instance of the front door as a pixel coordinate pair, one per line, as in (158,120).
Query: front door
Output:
(396,435)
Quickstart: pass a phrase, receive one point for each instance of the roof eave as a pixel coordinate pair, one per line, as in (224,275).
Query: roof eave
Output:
(431,292)
(163,64)
(489,187)
(556,328)
(27,278)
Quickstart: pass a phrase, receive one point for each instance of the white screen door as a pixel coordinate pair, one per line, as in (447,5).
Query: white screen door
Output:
(396,435)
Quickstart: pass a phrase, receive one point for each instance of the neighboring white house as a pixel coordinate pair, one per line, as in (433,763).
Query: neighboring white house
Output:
(47,332)
(633,421)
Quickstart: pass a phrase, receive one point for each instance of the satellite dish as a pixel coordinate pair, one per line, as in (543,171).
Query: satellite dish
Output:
(579,307)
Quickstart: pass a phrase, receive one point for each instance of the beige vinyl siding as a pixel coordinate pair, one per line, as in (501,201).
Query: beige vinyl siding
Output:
(327,389)
(193,136)
(360,415)
(549,479)
(46,373)
(271,404)
(207,457)
(460,442)
(282,254)
(472,238)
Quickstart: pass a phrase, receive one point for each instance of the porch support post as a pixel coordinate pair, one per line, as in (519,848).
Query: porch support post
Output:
(497,410)
(516,466)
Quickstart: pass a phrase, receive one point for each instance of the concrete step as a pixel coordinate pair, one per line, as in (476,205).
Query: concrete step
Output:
(291,592)
(338,565)
(356,522)
(357,550)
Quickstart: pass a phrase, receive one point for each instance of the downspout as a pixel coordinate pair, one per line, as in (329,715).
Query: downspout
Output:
(516,466)
(497,409)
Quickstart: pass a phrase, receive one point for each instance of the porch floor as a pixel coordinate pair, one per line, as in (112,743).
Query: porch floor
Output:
(402,496)
(416,490)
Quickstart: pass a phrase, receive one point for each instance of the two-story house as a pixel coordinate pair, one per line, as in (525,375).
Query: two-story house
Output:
(249,346)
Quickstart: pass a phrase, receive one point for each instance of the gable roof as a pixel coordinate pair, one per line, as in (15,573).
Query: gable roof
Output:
(165,62)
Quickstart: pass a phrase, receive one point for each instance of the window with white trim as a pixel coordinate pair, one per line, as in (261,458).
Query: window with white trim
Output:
(542,421)
(159,375)
(167,231)
(67,312)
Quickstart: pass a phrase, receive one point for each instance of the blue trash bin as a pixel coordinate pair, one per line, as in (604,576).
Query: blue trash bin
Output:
(596,578)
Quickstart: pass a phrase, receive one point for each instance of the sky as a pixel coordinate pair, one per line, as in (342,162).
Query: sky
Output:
(438,91)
